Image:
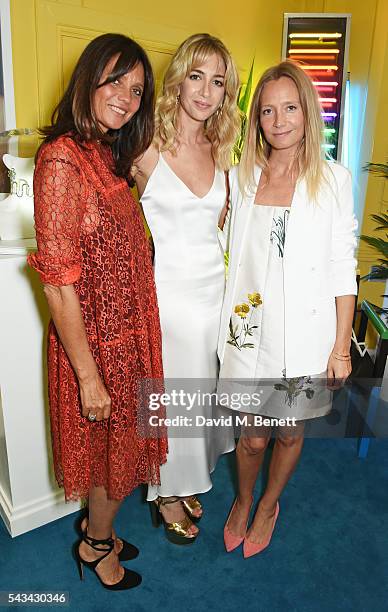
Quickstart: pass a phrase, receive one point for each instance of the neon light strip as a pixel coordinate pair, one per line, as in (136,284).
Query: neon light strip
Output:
(319,67)
(328,99)
(323,58)
(326,73)
(328,83)
(330,130)
(329,114)
(323,43)
(316,35)
(313,51)
(323,89)
(323,73)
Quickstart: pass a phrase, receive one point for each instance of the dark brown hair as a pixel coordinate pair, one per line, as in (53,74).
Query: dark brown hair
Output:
(74,112)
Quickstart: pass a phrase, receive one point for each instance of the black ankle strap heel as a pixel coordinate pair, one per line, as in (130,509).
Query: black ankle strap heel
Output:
(96,544)
(128,550)
(128,581)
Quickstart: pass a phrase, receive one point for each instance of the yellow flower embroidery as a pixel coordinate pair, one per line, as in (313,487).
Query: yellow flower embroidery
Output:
(242,310)
(255,299)
(240,333)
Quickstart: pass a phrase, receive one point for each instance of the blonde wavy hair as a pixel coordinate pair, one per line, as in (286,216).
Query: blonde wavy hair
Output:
(309,160)
(222,127)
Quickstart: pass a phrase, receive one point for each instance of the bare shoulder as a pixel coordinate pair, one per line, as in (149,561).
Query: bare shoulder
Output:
(147,162)
(143,167)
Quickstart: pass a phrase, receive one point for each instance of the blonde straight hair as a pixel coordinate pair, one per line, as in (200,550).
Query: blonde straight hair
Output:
(309,161)
(223,126)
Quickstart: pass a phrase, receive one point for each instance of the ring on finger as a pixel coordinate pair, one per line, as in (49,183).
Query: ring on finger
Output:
(92,417)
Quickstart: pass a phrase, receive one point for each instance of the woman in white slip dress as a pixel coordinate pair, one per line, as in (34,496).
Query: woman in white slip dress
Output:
(287,315)
(182,184)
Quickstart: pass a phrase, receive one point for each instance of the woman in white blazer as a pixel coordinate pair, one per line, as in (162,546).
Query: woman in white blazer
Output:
(289,300)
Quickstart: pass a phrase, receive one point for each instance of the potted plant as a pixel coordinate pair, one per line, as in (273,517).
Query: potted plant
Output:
(379,243)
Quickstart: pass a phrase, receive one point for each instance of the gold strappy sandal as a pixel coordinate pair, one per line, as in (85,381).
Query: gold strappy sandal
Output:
(176,532)
(190,505)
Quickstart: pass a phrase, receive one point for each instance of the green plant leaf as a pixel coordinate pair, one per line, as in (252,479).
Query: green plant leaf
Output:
(376,274)
(379,169)
(243,101)
(379,244)
(382,219)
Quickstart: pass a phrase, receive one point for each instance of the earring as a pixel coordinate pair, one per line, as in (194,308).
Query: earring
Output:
(177,100)
(219,111)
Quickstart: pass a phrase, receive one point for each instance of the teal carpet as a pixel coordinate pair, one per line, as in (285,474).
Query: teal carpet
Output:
(329,551)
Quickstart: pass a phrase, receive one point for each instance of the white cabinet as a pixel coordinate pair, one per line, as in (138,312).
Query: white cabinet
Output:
(29,496)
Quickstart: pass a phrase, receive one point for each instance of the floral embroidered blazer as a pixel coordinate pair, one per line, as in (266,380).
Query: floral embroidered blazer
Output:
(319,265)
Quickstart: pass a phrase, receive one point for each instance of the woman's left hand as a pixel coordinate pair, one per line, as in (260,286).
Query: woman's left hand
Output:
(337,372)
(338,366)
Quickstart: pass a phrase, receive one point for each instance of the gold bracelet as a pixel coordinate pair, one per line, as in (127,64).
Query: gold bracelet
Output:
(341,357)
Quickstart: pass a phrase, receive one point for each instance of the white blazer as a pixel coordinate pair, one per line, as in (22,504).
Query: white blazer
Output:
(319,265)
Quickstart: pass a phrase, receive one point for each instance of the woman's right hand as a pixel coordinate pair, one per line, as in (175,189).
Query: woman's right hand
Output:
(94,397)
(66,312)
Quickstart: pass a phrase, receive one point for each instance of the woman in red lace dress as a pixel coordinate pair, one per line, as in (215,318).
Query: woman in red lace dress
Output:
(94,261)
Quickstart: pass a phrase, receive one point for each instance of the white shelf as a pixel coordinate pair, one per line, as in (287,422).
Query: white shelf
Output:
(29,497)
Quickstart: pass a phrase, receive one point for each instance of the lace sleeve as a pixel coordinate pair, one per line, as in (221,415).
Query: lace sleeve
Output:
(59,201)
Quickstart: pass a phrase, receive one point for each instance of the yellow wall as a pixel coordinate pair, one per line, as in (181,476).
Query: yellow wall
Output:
(374,146)
(48,35)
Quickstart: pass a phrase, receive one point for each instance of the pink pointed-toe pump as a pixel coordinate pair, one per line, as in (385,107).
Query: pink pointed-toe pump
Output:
(251,548)
(232,541)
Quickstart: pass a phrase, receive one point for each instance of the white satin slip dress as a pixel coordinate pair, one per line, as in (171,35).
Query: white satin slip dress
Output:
(190,280)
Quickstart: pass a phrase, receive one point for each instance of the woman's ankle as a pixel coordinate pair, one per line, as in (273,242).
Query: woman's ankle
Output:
(90,554)
(244,499)
(98,534)
(267,506)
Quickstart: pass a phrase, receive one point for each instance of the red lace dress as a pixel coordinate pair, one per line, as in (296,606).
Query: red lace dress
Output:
(90,234)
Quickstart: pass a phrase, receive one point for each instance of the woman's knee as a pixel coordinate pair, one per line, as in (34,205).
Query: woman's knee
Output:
(290,441)
(252,445)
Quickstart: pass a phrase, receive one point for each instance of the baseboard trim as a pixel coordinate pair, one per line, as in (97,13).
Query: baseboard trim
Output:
(38,512)
(5,508)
